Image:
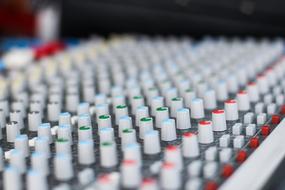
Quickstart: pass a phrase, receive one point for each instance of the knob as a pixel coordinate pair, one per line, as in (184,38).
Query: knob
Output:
(219,120)
(152,142)
(183,119)
(231,109)
(168,130)
(205,132)
(190,145)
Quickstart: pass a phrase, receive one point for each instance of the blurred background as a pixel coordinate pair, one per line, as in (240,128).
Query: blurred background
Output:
(50,19)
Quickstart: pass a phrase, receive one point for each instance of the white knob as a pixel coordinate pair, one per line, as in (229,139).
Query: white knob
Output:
(170,93)
(176,103)
(18,107)
(130,173)
(64,118)
(108,154)
(86,152)
(262,83)
(189,95)
(193,184)
(18,160)
(210,101)
(197,109)
(72,101)
(253,92)
(106,182)
(12,130)
(210,170)
(141,112)
(101,109)
(243,101)
(172,154)
(34,120)
(232,83)
(221,90)
(63,146)
(44,130)
(83,108)
(4,105)
(100,99)
(128,136)
(42,146)
(40,162)
(125,122)
(156,102)
(133,152)
(183,119)
(36,180)
(190,145)
(118,100)
(120,111)
(205,132)
(17,116)
(152,142)
(168,130)
(84,120)
(136,102)
(62,162)
(85,133)
(162,114)
(151,93)
(104,121)
(12,179)
(231,109)
(219,120)
(146,124)
(53,110)
(88,93)
(149,184)
(106,134)
(64,132)
(21,144)
(170,176)
(242,77)
(2,119)
(201,89)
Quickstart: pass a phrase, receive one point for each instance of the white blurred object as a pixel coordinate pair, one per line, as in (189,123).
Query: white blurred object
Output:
(18,58)
(48,23)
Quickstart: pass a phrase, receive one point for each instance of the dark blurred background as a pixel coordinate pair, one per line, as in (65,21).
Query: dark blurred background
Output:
(194,17)
(50,19)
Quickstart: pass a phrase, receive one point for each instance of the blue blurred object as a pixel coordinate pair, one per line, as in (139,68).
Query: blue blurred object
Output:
(8,43)
(2,65)
(71,42)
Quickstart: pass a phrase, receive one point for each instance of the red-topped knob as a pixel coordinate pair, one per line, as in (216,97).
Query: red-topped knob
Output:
(275,119)
(265,130)
(282,109)
(227,170)
(241,156)
(254,142)
(211,185)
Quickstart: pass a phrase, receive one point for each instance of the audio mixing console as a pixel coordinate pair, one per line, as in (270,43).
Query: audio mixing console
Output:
(139,112)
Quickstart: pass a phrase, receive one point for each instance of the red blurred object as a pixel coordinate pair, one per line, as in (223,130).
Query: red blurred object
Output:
(265,130)
(282,111)
(227,170)
(275,119)
(48,49)
(16,18)
(254,142)
(211,185)
(241,156)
